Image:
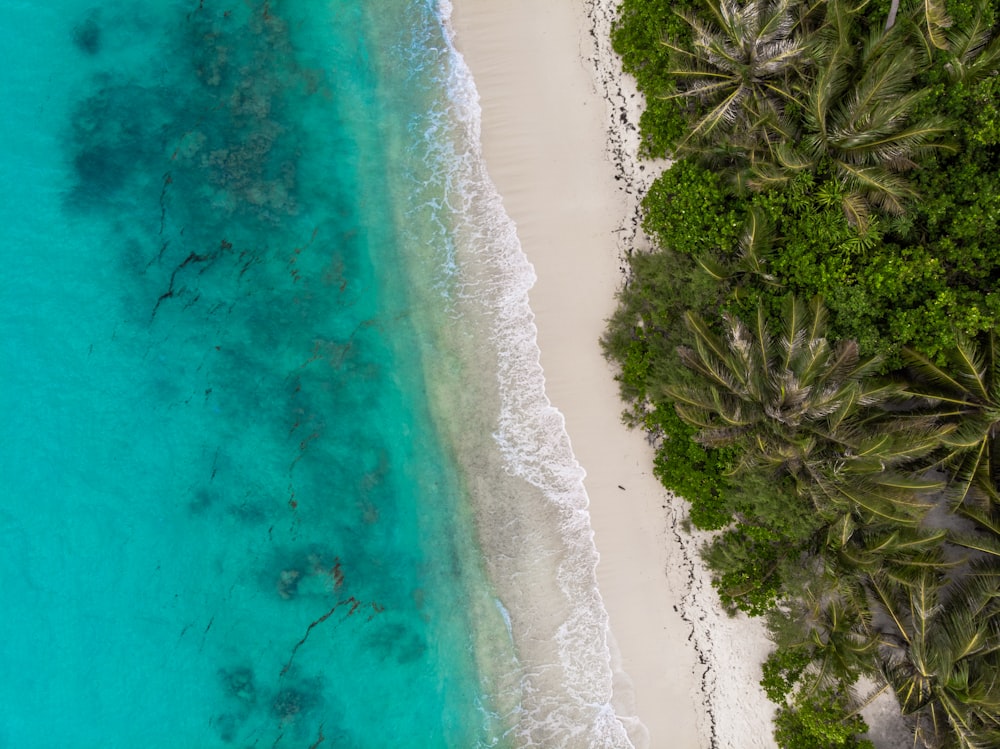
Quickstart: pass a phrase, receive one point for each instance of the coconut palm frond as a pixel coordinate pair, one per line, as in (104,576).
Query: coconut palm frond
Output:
(898,542)
(799,403)
(698,418)
(755,243)
(971,432)
(896,147)
(716,370)
(884,79)
(975,49)
(678,50)
(936,22)
(982,542)
(706,84)
(887,598)
(762,176)
(874,184)
(716,270)
(966,42)
(846,365)
(791,159)
(750,263)
(963,392)
(723,112)
(705,337)
(972,372)
(697,399)
(826,91)
(840,532)
(791,334)
(876,502)
(970,479)
(927,370)
(856,211)
(777,21)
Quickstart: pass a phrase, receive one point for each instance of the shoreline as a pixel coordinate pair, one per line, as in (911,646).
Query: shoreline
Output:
(559,139)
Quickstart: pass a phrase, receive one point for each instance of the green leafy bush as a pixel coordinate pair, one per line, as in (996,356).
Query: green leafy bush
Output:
(692,471)
(782,671)
(690,211)
(821,720)
(746,565)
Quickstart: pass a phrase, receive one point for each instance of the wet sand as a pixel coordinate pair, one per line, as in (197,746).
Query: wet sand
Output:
(550,90)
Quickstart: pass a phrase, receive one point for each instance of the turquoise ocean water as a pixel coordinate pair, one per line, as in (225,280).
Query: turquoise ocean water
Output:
(266,476)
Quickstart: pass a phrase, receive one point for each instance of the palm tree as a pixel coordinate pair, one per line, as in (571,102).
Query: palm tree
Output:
(935,22)
(932,16)
(886,548)
(797,405)
(827,619)
(852,116)
(941,654)
(741,67)
(857,120)
(778,97)
(983,538)
(975,49)
(964,390)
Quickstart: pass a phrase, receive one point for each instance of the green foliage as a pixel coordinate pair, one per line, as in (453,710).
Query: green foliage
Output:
(821,720)
(637,34)
(818,522)
(647,327)
(746,565)
(774,503)
(643,336)
(662,123)
(895,285)
(692,471)
(982,128)
(782,671)
(690,211)
(636,364)
(637,37)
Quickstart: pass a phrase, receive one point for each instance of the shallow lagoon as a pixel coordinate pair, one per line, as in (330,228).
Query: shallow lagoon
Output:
(228,518)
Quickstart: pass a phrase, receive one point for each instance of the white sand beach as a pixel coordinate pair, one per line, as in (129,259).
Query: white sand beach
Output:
(550,90)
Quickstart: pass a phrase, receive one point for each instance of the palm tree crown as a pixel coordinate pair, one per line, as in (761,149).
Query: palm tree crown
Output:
(941,654)
(740,66)
(800,406)
(858,118)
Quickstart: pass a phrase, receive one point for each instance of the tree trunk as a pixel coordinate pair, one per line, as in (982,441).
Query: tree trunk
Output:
(891,20)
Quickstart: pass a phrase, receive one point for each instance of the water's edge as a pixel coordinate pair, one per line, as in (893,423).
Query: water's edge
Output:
(565,650)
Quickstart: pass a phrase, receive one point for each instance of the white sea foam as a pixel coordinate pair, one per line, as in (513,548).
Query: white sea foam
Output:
(559,624)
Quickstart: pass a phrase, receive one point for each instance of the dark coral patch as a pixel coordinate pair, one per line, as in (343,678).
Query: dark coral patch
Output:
(239,683)
(87,36)
(292,703)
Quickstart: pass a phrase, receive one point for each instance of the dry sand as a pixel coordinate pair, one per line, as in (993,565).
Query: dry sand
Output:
(556,138)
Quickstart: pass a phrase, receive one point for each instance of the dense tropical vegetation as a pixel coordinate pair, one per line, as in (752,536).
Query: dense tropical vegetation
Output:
(812,341)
